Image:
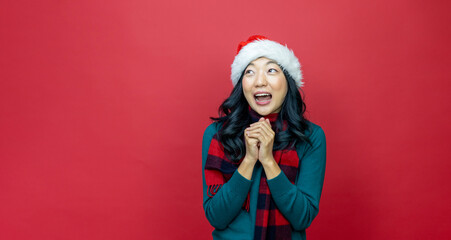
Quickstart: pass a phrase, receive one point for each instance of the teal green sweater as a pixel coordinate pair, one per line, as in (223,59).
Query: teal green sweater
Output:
(298,202)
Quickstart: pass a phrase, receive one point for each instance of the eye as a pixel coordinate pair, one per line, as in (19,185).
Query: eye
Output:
(249,71)
(272,70)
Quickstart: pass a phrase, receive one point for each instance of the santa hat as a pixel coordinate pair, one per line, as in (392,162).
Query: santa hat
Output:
(259,46)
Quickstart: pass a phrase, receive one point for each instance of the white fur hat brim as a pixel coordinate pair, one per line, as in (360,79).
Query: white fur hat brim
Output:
(269,49)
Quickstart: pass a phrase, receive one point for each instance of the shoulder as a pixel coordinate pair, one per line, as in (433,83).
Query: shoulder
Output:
(212,129)
(316,135)
(314,131)
(209,132)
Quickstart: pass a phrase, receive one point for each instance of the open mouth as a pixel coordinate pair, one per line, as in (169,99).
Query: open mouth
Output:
(262,98)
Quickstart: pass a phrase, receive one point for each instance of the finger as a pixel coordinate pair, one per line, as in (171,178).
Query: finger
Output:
(258,124)
(260,129)
(268,130)
(265,134)
(255,129)
(264,128)
(267,123)
(251,141)
(249,131)
(255,123)
(252,133)
(262,119)
(246,134)
(259,134)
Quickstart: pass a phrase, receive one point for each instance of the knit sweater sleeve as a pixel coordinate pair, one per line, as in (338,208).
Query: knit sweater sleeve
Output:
(225,205)
(300,203)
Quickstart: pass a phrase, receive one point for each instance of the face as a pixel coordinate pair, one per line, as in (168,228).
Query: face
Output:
(264,86)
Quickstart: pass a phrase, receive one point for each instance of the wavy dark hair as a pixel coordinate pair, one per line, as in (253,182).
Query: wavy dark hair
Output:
(234,117)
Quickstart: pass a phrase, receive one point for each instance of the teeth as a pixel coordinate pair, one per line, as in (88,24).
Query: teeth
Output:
(262,94)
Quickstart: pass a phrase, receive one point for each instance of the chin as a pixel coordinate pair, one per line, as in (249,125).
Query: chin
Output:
(262,112)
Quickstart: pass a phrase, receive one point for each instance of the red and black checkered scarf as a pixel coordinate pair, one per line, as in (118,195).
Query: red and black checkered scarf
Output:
(270,223)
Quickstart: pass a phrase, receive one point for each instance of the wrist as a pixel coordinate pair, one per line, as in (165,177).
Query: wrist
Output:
(246,168)
(249,160)
(268,161)
(271,168)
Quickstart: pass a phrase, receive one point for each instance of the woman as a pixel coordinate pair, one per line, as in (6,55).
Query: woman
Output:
(263,162)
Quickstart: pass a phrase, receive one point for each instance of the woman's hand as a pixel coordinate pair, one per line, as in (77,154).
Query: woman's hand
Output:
(251,148)
(247,165)
(261,132)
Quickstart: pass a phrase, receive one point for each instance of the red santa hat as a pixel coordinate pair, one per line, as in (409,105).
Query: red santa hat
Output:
(259,46)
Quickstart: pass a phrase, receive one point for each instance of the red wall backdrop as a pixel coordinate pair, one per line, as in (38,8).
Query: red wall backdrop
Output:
(103,105)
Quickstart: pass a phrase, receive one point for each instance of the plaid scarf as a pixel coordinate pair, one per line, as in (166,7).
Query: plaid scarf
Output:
(270,223)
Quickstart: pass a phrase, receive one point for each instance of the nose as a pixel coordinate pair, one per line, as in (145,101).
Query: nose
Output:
(261,79)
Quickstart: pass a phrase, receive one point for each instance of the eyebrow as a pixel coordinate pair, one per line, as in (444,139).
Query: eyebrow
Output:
(269,62)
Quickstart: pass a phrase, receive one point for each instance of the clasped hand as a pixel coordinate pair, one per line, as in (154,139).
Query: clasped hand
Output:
(259,138)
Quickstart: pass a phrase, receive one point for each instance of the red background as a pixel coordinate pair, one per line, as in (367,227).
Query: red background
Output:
(103,105)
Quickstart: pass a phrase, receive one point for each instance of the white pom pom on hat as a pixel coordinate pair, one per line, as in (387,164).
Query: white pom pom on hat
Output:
(259,46)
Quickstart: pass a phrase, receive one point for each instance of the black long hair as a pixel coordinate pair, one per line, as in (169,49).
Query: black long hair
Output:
(234,117)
